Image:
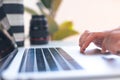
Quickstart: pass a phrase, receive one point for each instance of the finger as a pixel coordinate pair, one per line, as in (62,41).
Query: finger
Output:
(115,47)
(88,40)
(98,42)
(118,53)
(83,38)
(103,48)
(104,44)
(111,43)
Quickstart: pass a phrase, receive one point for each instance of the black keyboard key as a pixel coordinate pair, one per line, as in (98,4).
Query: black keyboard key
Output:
(30,61)
(69,59)
(50,60)
(40,60)
(60,60)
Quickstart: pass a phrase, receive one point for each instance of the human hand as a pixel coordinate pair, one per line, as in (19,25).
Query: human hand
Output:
(107,41)
(112,42)
(88,37)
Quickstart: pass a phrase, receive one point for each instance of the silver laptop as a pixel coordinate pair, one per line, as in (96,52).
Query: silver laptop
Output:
(55,61)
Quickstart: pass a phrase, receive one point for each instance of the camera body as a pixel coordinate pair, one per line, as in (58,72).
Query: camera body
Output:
(38,30)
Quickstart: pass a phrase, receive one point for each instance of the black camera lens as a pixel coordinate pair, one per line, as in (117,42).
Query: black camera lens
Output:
(38,30)
(38,20)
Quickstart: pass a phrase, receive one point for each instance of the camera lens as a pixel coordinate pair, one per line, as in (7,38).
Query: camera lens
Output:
(38,30)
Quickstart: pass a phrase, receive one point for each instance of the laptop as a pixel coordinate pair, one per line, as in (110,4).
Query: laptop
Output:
(55,61)
(59,60)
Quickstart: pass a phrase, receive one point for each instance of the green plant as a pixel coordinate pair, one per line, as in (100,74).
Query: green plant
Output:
(49,9)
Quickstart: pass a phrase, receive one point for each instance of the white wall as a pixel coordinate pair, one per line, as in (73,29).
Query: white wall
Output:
(94,15)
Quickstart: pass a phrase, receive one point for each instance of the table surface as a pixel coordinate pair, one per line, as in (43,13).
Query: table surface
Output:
(54,43)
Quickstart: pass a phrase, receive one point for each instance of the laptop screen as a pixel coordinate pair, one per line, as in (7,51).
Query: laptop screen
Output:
(6,42)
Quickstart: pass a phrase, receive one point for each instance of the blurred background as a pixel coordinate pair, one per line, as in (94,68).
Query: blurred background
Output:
(93,15)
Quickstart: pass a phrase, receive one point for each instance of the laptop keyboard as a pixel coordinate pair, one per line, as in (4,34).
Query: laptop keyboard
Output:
(47,59)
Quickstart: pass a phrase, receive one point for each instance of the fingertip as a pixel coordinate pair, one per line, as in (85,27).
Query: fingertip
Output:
(82,50)
(103,51)
(103,48)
